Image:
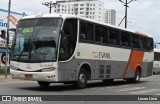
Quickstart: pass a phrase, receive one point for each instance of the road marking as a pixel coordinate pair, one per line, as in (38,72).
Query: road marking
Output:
(145,91)
(111,87)
(130,89)
(122,86)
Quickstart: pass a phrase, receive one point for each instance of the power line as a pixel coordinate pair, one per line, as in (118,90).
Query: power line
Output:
(50,5)
(126,6)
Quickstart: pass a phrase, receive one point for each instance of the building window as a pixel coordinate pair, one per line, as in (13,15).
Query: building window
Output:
(81,12)
(81,8)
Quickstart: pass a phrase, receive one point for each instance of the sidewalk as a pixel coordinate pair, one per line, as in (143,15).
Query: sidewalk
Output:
(3,79)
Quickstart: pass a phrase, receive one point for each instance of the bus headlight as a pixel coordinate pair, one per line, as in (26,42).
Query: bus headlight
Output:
(13,68)
(48,69)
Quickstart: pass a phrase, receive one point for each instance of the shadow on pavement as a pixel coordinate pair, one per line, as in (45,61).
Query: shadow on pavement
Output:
(67,87)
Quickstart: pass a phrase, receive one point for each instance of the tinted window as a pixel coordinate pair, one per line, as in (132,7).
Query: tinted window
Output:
(68,40)
(135,41)
(100,34)
(150,44)
(156,56)
(143,43)
(86,31)
(114,36)
(125,39)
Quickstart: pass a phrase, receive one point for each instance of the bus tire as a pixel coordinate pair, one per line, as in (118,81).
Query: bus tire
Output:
(136,78)
(82,79)
(43,84)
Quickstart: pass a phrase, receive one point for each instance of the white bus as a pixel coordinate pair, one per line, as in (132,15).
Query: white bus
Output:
(63,48)
(156,65)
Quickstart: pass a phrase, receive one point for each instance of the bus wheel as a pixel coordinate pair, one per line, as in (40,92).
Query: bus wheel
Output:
(136,79)
(107,80)
(43,84)
(82,79)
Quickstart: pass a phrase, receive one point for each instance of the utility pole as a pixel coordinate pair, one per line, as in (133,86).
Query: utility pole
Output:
(7,39)
(126,6)
(50,5)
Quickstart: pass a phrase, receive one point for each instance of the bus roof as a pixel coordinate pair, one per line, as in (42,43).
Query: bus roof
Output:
(64,16)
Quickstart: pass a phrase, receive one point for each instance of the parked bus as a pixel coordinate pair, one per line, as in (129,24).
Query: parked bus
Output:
(156,65)
(63,48)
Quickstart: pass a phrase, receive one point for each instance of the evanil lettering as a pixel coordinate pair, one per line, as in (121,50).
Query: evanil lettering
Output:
(104,55)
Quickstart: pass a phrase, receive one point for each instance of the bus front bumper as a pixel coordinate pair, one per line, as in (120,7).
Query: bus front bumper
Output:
(35,76)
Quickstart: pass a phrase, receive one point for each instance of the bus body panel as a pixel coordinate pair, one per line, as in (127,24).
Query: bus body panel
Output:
(19,70)
(105,67)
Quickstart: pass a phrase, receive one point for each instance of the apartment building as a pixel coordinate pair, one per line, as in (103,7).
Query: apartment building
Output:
(93,9)
(110,16)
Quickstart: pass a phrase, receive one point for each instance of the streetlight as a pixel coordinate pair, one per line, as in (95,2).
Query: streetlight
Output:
(126,6)
(50,5)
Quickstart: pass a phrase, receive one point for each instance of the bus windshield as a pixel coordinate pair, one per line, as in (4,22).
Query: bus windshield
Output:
(36,40)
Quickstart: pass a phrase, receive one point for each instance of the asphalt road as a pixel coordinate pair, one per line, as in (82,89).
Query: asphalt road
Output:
(147,86)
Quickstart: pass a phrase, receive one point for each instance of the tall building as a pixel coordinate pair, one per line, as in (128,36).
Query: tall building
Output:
(93,9)
(110,16)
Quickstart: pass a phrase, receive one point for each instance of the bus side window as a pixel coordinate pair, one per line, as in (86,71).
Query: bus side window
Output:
(150,44)
(82,36)
(83,31)
(99,34)
(143,43)
(125,39)
(86,31)
(135,42)
(114,36)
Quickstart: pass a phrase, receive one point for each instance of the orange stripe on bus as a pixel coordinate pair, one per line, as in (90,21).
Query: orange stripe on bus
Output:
(135,59)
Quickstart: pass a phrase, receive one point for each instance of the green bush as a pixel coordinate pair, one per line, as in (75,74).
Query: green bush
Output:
(2,71)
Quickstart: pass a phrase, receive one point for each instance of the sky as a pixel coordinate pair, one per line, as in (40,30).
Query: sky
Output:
(143,15)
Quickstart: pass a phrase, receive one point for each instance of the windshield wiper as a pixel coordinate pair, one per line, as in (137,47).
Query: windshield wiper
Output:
(20,55)
(23,49)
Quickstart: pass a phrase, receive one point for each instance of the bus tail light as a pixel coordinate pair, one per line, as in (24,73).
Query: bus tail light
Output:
(48,69)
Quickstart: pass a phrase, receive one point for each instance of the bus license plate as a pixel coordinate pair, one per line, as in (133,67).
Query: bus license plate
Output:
(28,76)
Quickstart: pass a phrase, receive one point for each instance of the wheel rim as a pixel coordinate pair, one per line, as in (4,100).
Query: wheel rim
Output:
(137,76)
(82,79)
